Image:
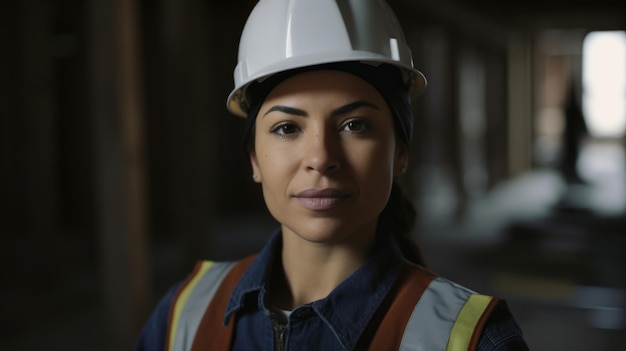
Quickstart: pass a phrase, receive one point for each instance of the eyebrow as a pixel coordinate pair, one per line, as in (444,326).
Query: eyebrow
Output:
(338,111)
(286,109)
(353,106)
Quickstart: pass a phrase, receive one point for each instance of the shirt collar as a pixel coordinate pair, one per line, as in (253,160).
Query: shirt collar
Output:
(255,277)
(350,306)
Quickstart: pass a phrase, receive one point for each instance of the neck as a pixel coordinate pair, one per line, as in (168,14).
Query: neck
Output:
(310,270)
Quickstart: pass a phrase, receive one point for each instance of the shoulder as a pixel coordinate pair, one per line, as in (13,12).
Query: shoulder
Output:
(449,311)
(185,300)
(205,278)
(443,291)
(154,332)
(501,332)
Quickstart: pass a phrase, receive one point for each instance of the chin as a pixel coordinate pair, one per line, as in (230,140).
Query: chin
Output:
(327,230)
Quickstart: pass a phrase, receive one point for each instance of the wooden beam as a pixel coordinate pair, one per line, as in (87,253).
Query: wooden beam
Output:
(451,13)
(120,165)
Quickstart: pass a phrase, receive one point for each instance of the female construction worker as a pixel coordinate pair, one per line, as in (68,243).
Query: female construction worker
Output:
(325,87)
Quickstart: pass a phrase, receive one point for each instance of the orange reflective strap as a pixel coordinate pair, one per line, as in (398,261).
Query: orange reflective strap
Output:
(398,307)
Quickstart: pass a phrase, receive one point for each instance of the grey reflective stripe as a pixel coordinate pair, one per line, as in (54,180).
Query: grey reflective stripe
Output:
(197,303)
(434,315)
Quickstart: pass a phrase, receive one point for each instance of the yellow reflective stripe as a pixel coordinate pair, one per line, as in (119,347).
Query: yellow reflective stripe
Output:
(461,333)
(182,300)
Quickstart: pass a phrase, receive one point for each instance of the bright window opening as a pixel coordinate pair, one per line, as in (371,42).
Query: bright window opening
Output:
(604,83)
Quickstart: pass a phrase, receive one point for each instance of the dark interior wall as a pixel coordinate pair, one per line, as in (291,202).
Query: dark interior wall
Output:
(196,150)
(46,196)
(48,180)
(188,52)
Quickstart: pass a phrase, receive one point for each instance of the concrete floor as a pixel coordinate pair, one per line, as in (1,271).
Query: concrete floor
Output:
(557,253)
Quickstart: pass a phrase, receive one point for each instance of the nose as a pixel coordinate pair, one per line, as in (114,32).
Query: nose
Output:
(323,152)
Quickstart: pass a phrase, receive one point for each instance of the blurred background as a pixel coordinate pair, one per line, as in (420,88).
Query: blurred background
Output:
(120,166)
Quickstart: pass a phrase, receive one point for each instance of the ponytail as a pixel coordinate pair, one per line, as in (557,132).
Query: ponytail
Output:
(398,217)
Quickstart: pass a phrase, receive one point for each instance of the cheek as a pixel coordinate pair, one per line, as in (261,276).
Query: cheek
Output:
(276,169)
(376,159)
(274,162)
(264,164)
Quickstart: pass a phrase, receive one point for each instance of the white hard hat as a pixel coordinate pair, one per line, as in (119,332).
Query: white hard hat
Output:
(286,34)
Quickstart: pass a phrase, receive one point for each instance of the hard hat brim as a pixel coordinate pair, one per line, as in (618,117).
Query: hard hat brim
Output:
(236,102)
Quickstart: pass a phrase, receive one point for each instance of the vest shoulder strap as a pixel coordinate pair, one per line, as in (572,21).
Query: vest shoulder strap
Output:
(470,322)
(437,314)
(220,336)
(193,298)
(397,309)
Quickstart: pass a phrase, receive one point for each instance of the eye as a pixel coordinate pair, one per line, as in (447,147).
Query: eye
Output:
(355,126)
(285,129)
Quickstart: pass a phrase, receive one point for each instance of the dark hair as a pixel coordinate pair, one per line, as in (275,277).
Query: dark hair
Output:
(399,215)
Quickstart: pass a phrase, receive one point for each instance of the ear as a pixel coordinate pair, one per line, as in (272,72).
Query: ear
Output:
(401,161)
(256,170)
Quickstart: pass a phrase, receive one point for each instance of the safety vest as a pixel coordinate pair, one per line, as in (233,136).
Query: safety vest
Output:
(436,313)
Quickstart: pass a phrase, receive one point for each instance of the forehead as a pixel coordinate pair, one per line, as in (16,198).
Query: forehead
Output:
(325,83)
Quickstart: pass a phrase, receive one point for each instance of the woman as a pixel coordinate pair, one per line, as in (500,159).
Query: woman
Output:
(329,124)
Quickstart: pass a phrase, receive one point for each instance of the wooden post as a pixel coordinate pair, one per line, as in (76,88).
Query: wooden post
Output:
(6,153)
(35,138)
(190,111)
(497,132)
(520,103)
(120,165)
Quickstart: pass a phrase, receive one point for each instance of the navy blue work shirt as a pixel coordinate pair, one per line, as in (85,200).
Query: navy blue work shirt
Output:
(336,322)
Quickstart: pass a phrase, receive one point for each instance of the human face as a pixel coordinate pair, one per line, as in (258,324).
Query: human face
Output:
(325,154)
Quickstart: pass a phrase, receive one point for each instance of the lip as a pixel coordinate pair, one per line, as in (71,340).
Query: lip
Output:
(321,199)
